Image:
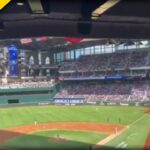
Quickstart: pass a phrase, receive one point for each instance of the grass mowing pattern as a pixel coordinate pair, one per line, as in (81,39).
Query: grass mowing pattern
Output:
(40,140)
(11,117)
(132,138)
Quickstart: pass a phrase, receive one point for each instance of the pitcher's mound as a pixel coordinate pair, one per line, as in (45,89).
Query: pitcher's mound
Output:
(57,140)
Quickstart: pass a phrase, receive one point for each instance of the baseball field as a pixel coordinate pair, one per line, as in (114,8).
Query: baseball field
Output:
(74,127)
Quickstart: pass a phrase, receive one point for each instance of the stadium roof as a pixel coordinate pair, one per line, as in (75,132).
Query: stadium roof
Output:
(76,18)
(52,43)
(56,44)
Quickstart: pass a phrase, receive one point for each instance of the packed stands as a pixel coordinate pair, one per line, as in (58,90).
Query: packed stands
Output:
(103,65)
(138,91)
(122,60)
(26,85)
(71,66)
(139,59)
(92,91)
(102,62)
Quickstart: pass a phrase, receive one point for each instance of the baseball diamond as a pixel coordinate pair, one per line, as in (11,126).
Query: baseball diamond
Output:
(88,127)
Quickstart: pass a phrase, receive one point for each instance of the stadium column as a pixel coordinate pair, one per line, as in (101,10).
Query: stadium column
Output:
(5,60)
(39,57)
(51,55)
(20,68)
(2,61)
(74,54)
(53,60)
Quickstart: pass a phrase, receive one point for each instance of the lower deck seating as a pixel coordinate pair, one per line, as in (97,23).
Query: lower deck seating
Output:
(124,91)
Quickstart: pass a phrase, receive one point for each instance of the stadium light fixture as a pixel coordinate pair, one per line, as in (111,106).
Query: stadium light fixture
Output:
(36,6)
(100,10)
(20,4)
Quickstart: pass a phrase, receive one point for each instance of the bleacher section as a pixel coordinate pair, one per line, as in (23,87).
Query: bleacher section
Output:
(122,76)
(123,91)
(103,62)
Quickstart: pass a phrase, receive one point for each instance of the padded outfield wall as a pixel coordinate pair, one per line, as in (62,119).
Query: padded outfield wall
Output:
(28,95)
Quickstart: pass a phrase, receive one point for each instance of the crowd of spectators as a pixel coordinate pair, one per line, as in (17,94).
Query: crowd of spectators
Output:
(136,91)
(68,66)
(101,62)
(30,84)
(147,97)
(139,58)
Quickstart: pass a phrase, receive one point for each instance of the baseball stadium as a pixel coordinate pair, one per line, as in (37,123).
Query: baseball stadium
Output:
(74,91)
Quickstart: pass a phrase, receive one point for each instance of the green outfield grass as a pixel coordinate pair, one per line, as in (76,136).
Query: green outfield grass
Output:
(44,140)
(10,117)
(133,117)
(134,137)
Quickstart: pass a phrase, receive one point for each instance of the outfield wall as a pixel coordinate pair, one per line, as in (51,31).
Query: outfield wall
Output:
(28,95)
(125,103)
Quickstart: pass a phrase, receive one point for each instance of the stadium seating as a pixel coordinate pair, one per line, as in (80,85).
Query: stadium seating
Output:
(139,59)
(103,62)
(124,91)
(26,85)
